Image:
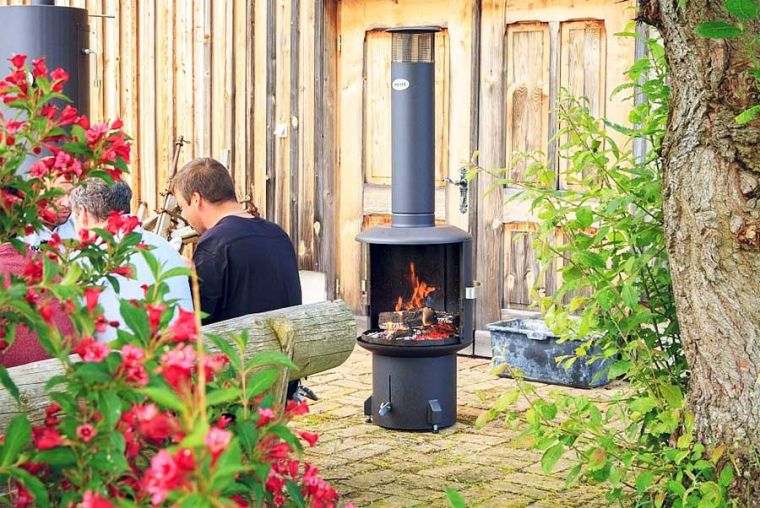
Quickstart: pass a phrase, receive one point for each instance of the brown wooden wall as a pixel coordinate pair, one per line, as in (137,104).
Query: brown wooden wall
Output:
(290,94)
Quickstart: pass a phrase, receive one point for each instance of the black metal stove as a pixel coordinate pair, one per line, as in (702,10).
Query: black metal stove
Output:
(419,288)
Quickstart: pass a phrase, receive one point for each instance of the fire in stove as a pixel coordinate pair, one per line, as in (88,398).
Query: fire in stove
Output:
(413,319)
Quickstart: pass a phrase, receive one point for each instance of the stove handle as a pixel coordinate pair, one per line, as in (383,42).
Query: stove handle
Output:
(384,408)
(471,292)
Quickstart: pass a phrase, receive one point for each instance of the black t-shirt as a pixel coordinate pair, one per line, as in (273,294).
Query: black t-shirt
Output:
(245,265)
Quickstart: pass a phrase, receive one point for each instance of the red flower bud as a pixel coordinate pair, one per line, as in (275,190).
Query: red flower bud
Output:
(18,60)
(39,68)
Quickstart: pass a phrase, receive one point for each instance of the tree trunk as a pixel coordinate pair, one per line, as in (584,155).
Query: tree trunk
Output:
(711,168)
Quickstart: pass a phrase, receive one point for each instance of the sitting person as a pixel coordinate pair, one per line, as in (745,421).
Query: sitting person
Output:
(91,205)
(245,264)
(26,348)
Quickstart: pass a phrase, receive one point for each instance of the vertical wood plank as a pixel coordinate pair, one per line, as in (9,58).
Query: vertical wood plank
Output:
(128,50)
(164,91)
(201,146)
(325,134)
(583,69)
(554,85)
(239,82)
(294,144)
(306,154)
(218,83)
(492,150)
(271,119)
(146,71)
(377,108)
(183,80)
(96,60)
(259,104)
(527,92)
(229,91)
(282,116)
(111,56)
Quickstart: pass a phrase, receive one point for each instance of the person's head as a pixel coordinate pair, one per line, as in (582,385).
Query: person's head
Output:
(95,200)
(62,202)
(202,187)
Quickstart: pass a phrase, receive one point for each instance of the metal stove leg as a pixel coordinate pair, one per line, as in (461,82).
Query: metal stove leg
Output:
(368,409)
(434,414)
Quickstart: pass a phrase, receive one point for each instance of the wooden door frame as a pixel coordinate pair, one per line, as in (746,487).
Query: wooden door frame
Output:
(355,18)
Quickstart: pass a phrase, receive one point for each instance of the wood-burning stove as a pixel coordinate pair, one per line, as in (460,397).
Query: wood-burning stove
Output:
(419,290)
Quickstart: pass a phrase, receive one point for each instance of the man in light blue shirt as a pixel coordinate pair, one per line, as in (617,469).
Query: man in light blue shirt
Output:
(91,205)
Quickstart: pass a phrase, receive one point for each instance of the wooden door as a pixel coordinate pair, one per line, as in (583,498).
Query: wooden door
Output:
(364,117)
(530,49)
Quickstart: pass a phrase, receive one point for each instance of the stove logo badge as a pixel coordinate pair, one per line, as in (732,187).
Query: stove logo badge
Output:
(400,84)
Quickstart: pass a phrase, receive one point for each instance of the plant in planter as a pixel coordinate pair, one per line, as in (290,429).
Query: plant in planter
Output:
(154,417)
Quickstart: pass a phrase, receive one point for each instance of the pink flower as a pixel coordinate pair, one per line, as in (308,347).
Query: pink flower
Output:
(117,124)
(94,500)
(161,477)
(91,295)
(132,355)
(293,408)
(184,327)
(159,428)
(86,238)
(59,77)
(154,315)
(18,60)
(96,133)
(68,115)
(310,437)
(124,271)
(91,350)
(137,375)
(217,440)
(266,415)
(46,438)
(86,432)
(177,365)
(213,364)
(39,68)
(185,460)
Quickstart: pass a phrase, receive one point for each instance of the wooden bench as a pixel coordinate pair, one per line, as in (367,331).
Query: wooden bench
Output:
(318,337)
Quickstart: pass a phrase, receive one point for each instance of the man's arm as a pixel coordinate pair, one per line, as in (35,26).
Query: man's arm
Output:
(211,269)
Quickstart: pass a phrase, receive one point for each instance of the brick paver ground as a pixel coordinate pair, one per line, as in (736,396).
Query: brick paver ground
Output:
(372,466)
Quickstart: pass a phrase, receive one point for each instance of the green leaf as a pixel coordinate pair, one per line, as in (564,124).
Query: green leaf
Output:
(260,382)
(748,115)
(194,500)
(551,456)
(619,368)
(630,295)
(726,477)
(177,271)
(110,406)
(136,319)
(222,396)
(644,480)
(744,10)
(9,385)
(718,30)
(18,436)
(152,262)
(294,494)
(286,435)
(584,217)
(61,456)
(672,395)
(164,397)
(456,500)
(270,358)
(92,372)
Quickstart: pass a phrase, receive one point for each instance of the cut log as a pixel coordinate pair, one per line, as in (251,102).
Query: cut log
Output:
(407,318)
(321,336)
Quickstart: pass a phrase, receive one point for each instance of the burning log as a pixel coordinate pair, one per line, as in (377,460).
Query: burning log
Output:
(399,319)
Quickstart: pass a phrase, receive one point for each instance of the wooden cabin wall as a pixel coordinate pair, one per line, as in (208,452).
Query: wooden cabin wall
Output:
(172,68)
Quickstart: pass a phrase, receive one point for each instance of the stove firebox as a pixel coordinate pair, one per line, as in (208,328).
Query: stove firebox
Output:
(419,290)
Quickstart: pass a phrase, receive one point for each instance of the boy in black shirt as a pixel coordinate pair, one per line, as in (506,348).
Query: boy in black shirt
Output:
(245,264)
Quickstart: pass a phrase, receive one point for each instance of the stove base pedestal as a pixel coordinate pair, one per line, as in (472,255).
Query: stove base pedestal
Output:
(413,393)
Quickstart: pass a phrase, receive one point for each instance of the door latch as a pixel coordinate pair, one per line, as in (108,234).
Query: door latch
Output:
(463,185)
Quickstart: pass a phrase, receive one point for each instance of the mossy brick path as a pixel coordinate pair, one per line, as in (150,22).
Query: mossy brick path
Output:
(371,466)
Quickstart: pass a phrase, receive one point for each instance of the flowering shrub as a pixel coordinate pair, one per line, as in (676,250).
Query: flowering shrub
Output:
(154,417)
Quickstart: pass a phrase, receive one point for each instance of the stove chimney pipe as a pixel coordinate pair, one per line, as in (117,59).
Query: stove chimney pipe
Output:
(413,126)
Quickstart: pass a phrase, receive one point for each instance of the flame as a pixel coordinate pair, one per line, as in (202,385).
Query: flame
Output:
(420,291)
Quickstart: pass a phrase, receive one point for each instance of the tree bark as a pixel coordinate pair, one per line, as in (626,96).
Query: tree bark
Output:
(711,173)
